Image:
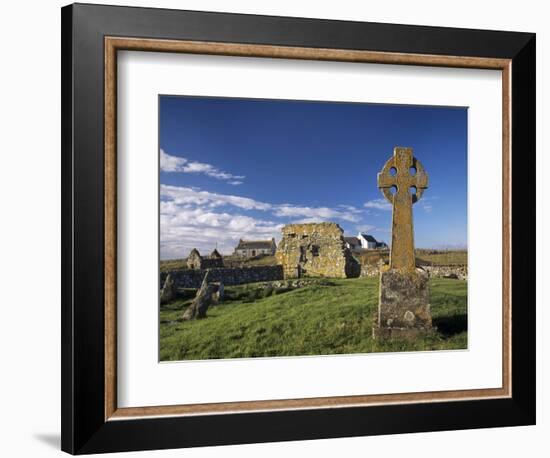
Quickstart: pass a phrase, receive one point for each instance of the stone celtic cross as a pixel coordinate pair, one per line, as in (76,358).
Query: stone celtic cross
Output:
(402,181)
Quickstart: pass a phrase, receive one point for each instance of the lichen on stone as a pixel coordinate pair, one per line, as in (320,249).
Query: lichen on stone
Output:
(315,250)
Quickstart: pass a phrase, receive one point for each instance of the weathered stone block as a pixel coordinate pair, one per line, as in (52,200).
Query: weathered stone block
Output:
(207,295)
(315,250)
(169,290)
(404,304)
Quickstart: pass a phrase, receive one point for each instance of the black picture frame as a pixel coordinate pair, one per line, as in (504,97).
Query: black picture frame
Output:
(84,428)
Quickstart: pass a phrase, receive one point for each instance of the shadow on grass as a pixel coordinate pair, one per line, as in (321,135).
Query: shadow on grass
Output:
(451,325)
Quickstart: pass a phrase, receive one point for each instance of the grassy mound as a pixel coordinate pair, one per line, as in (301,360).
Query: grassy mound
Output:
(325,317)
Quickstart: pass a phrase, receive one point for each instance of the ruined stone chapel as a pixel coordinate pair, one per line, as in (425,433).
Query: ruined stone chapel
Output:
(315,250)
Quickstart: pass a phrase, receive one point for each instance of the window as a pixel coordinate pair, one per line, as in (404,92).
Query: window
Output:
(303,257)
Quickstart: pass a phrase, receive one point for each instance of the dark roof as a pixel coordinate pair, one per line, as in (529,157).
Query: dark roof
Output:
(195,252)
(369,238)
(352,240)
(215,254)
(254,244)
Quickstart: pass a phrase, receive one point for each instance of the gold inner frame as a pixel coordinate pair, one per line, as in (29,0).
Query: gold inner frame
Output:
(114,44)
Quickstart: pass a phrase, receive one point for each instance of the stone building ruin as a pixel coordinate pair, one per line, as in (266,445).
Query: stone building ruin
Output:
(197,262)
(315,250)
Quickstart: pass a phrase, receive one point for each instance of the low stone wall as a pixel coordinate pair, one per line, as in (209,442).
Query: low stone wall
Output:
(458,272)
(227,275)
(370,270)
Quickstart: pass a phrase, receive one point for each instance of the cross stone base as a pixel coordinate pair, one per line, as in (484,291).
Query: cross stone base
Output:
(404,305)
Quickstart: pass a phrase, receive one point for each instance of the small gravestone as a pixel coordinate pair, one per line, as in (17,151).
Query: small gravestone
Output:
(219,294)
(169,290)
(207,295)
(404,302)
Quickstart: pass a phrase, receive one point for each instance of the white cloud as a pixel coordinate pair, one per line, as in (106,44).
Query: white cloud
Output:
(350,208)
(194,218)
(425,203)
(427,208)
(309,220)
(183,229)
(365,228)
(371,229)
(183,195)
(191,196)
(169,163)
(379,204)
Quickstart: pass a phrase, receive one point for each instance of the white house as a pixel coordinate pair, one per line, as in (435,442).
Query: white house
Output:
(364,242)
(251,248)
(368,242)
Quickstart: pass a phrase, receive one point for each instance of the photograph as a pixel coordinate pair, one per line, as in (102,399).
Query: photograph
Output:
(310,228)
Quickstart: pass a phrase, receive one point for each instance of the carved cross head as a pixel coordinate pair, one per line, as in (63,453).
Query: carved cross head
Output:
(403,175)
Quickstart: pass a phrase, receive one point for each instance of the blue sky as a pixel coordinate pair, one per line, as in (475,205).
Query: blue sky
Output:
(242,168)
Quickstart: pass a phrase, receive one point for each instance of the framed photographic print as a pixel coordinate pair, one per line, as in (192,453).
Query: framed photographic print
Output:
(281,228)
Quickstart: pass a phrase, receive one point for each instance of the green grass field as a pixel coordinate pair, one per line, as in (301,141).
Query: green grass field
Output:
(327,317)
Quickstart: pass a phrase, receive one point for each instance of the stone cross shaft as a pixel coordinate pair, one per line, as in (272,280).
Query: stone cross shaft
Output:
(402,181)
